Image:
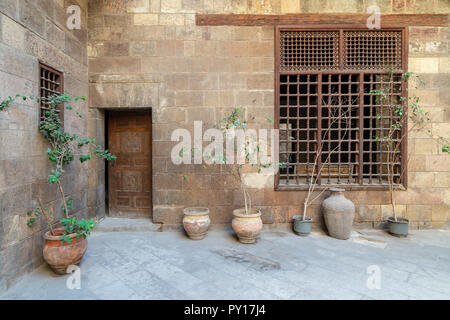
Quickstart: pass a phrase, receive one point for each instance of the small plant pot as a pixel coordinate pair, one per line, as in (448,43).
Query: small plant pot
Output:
(247,226)
(302,227)
(398,228)
(59,255)
(196,222)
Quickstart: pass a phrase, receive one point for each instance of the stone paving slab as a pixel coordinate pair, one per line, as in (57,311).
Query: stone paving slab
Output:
(281,265)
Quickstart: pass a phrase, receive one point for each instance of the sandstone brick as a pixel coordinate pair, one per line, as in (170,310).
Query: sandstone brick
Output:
(249,98)
(290,6)
(387,211)
(171,6)
(114,64)
(261,49)
(260,82)
(192,5)
(169,48)
(418,213)
(116,20)
(440,212)
(424,65)
(398,5)
(368,213)
(442,6)
(171,19)
(422,179)
(207,115)
(138,6)
(203,81)
(186,99)
(196,181)
(168,115)
(143,48)
(384,5)
(188,33)
(443,179)
(189,19)
(319,6)
(143,33)
(13,34)
(145,19)
(437,163)
(31,17)
(9,8)
(212,98)
(264,7)
(168,214)
(167,181)
(425,147)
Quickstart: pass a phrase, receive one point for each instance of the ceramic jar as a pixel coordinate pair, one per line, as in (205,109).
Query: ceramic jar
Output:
(247,226)
(339,213)
(196,222)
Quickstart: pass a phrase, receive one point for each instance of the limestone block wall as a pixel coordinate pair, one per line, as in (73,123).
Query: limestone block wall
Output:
(31,31)
(150,53)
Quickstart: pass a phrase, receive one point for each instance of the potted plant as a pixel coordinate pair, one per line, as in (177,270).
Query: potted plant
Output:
(246,222)
(401,110)
(65,245)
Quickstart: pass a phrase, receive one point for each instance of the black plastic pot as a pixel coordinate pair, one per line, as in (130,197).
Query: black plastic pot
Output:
(399,227)
(302,227)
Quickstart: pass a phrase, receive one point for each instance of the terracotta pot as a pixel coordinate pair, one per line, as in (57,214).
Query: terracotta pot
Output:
(339,213)
(196,222)
(61,255)
(247,226)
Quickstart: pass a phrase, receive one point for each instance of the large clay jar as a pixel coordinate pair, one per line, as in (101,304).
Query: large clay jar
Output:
(60,255)
(247,226)
(338,212)
(196,222)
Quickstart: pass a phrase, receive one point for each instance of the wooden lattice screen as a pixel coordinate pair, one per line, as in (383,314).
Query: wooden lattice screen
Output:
(323,80)
(51,82)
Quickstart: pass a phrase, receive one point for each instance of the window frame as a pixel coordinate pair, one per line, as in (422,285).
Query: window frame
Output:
(340,28)
(45,67)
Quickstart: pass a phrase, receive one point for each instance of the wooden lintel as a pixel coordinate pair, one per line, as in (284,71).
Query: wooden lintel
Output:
(432,20)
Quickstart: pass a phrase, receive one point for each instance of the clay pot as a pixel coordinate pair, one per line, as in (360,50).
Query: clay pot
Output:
(61,255)
(196,222)
(339,213)
(247,226)
(398,228)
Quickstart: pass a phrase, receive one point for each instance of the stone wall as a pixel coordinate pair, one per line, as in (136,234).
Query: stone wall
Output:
(31,31)
(150,54)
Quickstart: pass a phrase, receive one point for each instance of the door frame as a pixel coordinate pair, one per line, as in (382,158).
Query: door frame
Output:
(107,112)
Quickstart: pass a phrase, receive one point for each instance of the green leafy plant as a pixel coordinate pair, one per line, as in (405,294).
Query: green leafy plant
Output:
(401,108)
(63,147)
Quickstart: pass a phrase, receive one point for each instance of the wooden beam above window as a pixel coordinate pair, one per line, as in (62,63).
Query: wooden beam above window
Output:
(401,20)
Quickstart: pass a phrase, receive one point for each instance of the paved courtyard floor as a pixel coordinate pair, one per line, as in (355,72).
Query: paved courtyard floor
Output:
(281,265)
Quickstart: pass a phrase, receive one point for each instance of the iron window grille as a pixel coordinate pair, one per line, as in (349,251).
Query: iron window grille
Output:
(323,102)
(51,82)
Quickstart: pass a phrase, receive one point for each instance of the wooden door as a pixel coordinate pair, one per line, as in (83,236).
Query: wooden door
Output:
(129,176)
